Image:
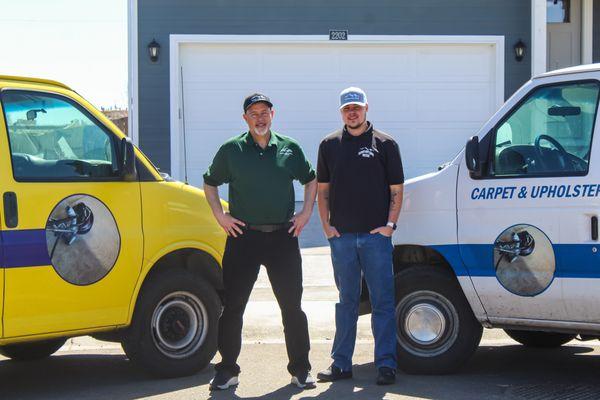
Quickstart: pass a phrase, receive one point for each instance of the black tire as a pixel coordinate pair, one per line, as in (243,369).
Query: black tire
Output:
(540,339)
(436,329)
(174,327)
(33,350)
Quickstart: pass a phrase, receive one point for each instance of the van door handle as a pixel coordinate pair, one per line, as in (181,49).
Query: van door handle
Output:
(11,209)
(594,226)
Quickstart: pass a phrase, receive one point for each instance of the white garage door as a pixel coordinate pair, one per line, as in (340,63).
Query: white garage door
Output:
(430,97)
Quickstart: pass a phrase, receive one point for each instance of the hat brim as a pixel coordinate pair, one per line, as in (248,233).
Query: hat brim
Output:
(258,101)
(359,103)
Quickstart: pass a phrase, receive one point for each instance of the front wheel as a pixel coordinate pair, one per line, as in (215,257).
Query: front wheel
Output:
(539,338)
(436,329)
(32,351)
(174,327)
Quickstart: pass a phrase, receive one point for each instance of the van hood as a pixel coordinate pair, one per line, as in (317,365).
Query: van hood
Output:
(435,191)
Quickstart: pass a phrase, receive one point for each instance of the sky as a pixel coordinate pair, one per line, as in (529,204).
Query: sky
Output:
(82,43)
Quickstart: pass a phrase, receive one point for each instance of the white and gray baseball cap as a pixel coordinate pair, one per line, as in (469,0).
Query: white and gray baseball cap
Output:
(353,95)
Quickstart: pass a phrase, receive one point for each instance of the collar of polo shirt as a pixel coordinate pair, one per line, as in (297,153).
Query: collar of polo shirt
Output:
(347,136)
(273,141)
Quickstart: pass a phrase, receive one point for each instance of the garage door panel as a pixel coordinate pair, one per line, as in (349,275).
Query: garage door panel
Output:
(431,98)
(402,61)
(447,63)
(435,105)
(203,66)
(281,62)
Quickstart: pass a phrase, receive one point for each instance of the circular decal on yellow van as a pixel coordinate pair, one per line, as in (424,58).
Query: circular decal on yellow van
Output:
(524,260)
(83,240)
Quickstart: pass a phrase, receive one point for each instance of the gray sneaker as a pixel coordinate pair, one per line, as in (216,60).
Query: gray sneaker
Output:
(303,380)
(223,380)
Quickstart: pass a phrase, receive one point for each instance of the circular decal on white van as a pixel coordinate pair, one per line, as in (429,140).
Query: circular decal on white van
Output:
(524,260)
(83,240)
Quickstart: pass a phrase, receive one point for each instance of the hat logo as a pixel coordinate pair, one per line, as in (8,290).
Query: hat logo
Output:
(352,97)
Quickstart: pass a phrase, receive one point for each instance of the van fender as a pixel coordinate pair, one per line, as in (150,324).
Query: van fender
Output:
(192,255)
(445,257)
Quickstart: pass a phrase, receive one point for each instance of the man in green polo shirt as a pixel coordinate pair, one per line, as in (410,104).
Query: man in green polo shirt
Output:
(260,166)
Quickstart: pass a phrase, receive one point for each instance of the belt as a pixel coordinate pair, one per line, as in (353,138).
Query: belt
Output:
(269,227)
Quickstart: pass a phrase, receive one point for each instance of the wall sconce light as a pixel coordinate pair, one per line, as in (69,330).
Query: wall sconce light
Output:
(520,50)
(153,49)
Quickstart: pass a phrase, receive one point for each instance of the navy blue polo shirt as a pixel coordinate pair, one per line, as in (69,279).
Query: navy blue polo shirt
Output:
(359,170)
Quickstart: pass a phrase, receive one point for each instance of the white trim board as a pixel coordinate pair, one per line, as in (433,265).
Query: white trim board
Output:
(132,71)
(587,31)
(175,41)
(538,37)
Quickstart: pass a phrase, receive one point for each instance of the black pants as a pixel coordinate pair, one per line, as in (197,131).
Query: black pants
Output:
(280,254)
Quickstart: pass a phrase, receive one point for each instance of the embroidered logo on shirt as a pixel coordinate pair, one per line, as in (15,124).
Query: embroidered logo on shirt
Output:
(286,151)
(366,152)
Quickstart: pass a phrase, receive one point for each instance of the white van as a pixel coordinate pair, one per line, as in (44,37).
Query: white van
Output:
(506,234)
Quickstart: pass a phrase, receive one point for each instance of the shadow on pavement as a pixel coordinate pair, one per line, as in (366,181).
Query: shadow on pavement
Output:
(506,372)
(85,377)
(495,372)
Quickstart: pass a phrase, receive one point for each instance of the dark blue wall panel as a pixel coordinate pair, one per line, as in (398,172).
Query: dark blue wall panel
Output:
(596,39)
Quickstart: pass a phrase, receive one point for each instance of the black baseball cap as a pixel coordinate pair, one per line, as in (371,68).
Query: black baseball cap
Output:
(256,98)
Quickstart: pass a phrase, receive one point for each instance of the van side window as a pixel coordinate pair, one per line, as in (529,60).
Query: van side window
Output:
(53,138)
(549,133)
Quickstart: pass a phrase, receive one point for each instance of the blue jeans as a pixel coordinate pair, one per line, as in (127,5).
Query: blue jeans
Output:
(371,254)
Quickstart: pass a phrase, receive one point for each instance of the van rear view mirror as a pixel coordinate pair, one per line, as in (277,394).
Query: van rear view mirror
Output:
(559,111)
(472,156)
(32,114)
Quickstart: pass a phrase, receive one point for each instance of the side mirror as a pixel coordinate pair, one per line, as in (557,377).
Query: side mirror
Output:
(128,170)
(472,156)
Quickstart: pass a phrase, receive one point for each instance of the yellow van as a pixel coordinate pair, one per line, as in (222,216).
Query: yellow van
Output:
(95,241)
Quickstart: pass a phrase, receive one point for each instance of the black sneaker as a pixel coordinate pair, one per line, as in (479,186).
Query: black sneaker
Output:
(303,380)
(223,380)
(333,373)
(386,376)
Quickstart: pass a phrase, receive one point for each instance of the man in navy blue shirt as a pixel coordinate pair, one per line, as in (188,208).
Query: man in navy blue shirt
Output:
(360,181)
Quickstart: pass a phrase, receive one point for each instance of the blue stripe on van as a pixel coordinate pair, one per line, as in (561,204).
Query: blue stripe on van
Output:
(572,260)
(27,248)
(24,248)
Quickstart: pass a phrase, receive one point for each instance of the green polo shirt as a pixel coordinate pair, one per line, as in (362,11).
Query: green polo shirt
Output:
(261,189)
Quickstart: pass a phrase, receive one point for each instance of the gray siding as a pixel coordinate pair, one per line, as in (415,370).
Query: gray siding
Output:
(596,39)
(159,18)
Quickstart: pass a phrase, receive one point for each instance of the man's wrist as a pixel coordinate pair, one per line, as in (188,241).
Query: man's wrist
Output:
(392,225)
(306,211)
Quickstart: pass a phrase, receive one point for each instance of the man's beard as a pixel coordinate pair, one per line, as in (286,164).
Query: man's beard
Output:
(357,124)
(261,131)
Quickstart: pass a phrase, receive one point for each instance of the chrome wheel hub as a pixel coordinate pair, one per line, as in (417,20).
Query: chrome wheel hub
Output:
(424,323)
(427,323)
(179,324)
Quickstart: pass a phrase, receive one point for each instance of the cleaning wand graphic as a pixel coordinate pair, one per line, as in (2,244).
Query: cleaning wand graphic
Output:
(79,221)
